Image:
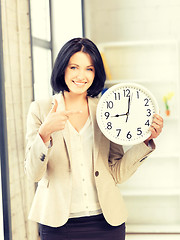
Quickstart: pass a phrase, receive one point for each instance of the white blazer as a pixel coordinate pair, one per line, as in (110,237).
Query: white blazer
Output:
(51,168)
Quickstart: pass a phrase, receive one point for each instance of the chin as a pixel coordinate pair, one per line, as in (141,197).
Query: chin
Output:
(80,92)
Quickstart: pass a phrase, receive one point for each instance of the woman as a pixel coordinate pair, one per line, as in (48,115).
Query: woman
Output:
(76,167)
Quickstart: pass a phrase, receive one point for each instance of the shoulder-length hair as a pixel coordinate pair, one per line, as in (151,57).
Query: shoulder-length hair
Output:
(71,47)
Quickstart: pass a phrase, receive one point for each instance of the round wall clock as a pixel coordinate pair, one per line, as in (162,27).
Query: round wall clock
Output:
(125,112)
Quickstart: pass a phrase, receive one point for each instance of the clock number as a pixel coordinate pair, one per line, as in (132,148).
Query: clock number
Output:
(109,125)
(146,100)
(149,112)
(117,96)
(107,114)
(118,131)
(109,104)
(147,123)
(129,136)
(126,92)
(137,94)
(139,131)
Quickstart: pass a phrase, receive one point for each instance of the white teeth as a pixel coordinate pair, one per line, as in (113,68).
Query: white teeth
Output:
(79,83)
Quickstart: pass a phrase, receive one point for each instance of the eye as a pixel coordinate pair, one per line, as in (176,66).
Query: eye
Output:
(73,67)
(90,69)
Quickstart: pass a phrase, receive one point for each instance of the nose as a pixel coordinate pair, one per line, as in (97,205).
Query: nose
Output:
(81,75)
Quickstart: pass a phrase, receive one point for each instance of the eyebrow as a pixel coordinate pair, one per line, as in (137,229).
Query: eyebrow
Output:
(78,65)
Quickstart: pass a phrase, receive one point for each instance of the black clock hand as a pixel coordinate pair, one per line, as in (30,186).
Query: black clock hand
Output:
(129,103)
(119,115)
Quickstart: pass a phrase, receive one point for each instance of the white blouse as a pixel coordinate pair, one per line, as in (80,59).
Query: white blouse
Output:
(84,201)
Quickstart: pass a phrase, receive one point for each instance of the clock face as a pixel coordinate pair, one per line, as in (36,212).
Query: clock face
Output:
(125,112)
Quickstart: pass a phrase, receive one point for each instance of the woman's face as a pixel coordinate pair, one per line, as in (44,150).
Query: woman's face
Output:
(79,73)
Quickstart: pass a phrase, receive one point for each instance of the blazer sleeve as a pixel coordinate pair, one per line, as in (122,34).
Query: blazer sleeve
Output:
(123,165)
(36,151)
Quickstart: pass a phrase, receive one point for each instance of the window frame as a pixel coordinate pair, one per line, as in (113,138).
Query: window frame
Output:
(4,163)
(41,43)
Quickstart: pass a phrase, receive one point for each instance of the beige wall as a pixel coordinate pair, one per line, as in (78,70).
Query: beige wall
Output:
(130,30)
(18,91)
(126,20)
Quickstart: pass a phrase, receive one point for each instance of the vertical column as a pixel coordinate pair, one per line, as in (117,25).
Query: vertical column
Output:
(4,150)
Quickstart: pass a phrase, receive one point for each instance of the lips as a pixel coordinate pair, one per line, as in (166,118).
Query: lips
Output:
(80,84)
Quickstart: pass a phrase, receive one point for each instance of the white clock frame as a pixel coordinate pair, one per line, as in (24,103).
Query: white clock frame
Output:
(127,127)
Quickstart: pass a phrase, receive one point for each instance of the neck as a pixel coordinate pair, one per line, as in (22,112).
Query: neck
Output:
(74,99)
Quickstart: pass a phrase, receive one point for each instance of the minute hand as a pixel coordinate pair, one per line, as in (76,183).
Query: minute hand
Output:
(129,103)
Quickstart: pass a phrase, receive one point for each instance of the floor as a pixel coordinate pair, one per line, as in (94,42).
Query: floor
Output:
(152,236)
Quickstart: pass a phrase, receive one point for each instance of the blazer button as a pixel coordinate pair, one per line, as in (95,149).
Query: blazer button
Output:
(42,157)
(96,173)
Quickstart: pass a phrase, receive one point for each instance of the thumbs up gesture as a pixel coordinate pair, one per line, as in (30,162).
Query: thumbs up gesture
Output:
(55,121)
(54,108)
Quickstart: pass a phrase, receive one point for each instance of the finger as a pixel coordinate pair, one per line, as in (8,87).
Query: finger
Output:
(156,128)
(153,131)
(157,116)
(55,105)
(158,122)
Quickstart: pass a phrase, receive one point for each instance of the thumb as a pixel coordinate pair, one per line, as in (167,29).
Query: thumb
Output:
(54,108)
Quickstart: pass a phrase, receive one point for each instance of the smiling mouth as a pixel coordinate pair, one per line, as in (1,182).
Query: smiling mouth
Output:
(79,83)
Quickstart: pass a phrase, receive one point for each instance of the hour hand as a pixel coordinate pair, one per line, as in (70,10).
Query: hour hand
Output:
(119,115)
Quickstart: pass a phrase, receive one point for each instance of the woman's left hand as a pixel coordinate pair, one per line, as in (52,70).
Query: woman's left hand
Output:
(156,127)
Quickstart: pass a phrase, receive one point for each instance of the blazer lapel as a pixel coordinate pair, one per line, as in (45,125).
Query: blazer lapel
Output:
(65,132)
(96,132)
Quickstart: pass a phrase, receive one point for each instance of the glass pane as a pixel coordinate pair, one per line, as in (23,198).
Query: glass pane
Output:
(42,72)
(40,19)
(67,24)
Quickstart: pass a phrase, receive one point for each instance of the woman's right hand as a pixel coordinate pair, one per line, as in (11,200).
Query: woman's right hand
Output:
(55,121)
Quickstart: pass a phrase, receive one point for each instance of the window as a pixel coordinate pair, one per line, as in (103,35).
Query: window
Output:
(41,47)
(53,23)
